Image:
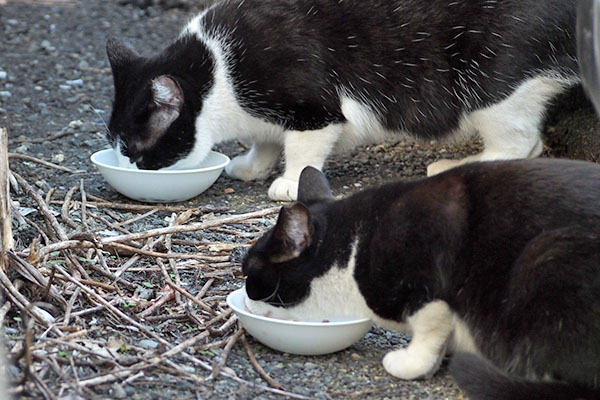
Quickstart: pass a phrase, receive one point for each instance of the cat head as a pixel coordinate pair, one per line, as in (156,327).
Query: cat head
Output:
(152,122)
(286,277)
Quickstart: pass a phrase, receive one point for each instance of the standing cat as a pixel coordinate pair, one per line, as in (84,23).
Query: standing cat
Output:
(498,259)
(311,77)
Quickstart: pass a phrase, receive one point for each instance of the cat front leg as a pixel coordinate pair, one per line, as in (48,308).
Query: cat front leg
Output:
(255,164)
(431,327)
(303,148)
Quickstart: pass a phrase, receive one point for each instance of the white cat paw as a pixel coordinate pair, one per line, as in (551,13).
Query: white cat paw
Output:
(441,166)
(284,189)
(247,169)
(407,365)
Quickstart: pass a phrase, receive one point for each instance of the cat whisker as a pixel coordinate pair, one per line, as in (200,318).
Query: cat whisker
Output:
(99,116)
(274,293)
(281,303)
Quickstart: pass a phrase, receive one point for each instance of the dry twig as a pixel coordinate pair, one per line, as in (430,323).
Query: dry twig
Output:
(272,382)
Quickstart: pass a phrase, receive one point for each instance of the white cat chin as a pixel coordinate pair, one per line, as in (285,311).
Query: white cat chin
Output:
(266,310)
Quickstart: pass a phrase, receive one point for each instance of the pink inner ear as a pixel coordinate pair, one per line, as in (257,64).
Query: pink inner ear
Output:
(167,92)
(292,233)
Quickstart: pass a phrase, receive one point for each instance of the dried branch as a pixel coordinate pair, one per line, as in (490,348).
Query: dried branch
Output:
(5,213)
(45,163)
(230,343)
(64,211)
(272,382)
(44,208)
(117,240)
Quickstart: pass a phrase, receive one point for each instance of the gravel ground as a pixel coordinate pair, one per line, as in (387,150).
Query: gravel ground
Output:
(55,78)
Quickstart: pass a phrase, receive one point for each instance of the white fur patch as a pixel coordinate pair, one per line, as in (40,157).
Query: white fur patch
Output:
(510,129)
(363,124)
(335,294)
(462,339)
(222,118)
(303,148)
(256,164)
(431,327)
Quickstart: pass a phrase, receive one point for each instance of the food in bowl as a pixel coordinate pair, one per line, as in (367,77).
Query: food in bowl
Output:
(299,337)
(159,186)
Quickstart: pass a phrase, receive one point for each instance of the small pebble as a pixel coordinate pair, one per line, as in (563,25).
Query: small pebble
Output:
(146,293)
(76,124)
(11,331)
(75,82)
(309,366)
(229,191)
(118,392)
(46,45)
(5,94)
(148,344)
(3,75)
(188,368)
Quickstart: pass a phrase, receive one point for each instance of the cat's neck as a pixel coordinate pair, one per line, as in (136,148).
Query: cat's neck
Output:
(223,116)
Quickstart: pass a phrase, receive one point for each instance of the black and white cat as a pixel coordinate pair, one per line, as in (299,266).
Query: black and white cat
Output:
(313,76)
(498,259)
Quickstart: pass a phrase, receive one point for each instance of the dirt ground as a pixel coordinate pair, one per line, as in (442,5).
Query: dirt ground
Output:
(55,93)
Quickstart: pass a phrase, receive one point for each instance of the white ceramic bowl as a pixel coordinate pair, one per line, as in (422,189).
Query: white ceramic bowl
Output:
(158,186)
(305,338)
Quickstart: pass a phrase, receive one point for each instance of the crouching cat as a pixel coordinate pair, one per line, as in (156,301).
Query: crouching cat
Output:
(311,77)
(498,259)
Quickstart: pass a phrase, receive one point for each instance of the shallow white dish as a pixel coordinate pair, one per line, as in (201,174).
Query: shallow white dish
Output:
(159,186)
(296,337)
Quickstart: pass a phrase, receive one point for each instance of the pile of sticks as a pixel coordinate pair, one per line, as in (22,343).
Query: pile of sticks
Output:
(75,296)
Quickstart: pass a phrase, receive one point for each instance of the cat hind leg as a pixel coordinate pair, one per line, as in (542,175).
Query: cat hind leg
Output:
(510,129)
(432,326)
(255,164)
(303,148)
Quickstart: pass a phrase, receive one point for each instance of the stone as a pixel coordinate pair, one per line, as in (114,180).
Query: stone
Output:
(148,344)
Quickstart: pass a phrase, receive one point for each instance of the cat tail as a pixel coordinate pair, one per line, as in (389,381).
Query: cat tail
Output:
(483,381)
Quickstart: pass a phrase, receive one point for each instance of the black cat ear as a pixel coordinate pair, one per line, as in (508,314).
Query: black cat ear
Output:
(119,53)
(313,186)
(292,233)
